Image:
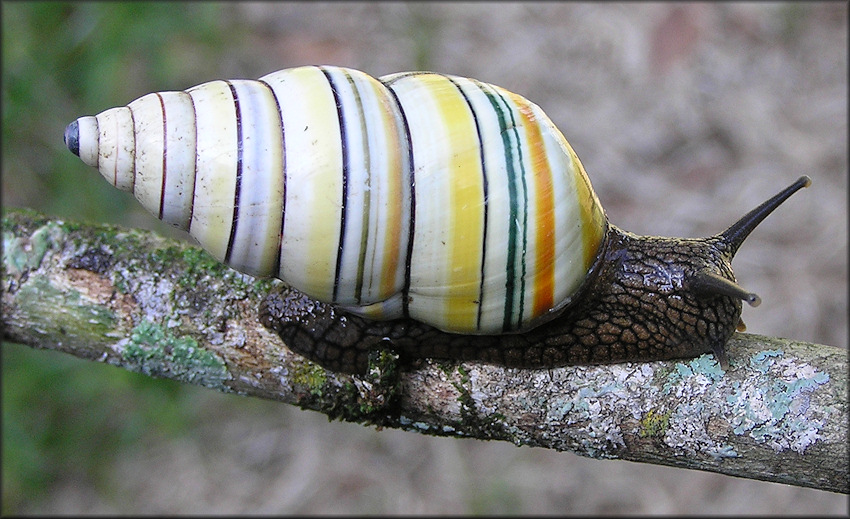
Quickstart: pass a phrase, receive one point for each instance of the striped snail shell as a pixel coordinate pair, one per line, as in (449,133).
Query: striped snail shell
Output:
(441,209)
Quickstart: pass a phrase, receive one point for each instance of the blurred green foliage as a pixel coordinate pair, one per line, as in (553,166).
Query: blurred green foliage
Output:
(61,61)
(58,425)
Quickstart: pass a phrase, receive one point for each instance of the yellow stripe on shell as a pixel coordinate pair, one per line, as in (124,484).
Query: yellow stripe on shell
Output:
(447,245)
(215,182)
(466,206)
(592,215)
(313,180)
(492,121)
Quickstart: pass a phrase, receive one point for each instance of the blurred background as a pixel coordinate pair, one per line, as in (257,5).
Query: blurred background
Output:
(686,116)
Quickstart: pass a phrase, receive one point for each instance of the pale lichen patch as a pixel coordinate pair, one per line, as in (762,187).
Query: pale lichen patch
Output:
(774,408)
(155,351)
(21,254)
(778,409)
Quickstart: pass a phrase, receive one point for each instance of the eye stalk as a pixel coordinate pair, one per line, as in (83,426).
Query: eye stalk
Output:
(707,283)
(734,236)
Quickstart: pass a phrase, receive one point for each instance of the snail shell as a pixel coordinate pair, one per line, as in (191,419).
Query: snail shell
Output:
(444,199)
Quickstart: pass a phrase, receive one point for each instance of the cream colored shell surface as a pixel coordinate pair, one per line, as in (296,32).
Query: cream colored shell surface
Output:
(440,198)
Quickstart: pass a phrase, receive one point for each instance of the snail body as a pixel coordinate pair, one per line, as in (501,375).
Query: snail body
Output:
(436,215)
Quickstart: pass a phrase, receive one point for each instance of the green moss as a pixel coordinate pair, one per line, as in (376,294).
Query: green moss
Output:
(384,382)
(383,365)
(199,258)
(361,399)
(120,285)
(200,261)
(492,424)
(464,375)
(199,264)
(265,285)
(654,425)
(155,351)
(310,375)
(19,218)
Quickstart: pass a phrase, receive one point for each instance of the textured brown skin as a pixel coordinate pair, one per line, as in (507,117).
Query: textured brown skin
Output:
(636,305)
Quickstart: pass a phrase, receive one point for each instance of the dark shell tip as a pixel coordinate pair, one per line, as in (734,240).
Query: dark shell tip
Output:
(72,138)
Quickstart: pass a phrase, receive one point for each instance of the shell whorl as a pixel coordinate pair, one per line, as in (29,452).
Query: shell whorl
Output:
(443,199)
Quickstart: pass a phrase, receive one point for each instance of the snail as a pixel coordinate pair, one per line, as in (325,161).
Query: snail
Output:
(433,215)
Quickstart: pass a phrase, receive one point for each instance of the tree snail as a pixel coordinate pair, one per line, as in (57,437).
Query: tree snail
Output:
(434,215)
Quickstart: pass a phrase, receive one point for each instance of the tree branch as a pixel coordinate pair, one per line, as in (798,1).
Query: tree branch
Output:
(167,309)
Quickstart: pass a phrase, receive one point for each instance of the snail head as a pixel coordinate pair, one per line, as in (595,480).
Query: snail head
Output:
(683,292)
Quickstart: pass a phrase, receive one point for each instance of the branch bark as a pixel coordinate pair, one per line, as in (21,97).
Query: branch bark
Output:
(167,309)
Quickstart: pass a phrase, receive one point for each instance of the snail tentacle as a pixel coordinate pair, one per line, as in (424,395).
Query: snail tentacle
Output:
(735,235)
(709,283)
